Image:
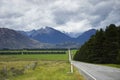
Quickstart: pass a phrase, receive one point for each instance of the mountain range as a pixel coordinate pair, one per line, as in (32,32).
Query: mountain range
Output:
(50,35)
(11,39)
(42,38)
(59,39)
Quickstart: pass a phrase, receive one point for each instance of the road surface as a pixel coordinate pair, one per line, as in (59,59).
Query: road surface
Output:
(97,72)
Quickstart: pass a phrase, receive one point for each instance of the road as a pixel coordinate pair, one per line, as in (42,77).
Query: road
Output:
(97,72)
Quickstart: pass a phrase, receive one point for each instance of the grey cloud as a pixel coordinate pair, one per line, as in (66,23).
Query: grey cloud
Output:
(100,12)
(61,17)
(39,2)
(11,24)
(113,16)
(94,11)
(11,15)
(30,14)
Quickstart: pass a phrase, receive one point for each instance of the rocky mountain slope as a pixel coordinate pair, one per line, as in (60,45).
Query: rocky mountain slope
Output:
(14,40)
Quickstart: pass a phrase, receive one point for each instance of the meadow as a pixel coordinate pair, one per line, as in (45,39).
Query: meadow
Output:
(37,67)
(34,57)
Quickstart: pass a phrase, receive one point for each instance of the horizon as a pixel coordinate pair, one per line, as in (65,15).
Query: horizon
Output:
(68,34)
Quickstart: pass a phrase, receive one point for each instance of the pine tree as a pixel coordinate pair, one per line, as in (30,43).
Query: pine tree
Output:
(111,44)
(99,46)
(118,56)
(103,47)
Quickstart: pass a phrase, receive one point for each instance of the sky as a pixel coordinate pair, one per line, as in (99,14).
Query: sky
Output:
(70,16)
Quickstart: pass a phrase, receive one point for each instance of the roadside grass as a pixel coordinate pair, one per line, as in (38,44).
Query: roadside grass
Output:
(112,65)
(73,52)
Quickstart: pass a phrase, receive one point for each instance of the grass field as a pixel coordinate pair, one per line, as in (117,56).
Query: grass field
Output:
(32,57)
(49,67)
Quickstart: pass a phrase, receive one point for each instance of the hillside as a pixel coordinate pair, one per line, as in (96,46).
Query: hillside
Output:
(85,36)
(103,47)
(14,40)
(50,35)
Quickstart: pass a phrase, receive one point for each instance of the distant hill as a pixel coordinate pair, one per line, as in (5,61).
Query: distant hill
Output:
(11,39)
(85,36)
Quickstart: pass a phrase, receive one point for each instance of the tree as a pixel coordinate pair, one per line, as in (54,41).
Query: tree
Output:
(111,43)
(103,47)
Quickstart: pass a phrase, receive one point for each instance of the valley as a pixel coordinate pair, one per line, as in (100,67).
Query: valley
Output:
(59,39)
(42,38)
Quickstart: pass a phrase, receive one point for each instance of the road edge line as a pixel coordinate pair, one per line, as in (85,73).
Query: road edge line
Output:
(87,73)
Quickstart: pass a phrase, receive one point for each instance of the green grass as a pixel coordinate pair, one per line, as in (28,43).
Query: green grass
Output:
(45,70)
(50,70)
(50,67)
(34,57)
(73,52)
(112,65)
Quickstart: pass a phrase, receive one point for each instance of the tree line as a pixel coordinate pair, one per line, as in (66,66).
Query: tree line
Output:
(30,52)
(103,47)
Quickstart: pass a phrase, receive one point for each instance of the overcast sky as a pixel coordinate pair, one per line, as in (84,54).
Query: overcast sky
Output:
(75,16)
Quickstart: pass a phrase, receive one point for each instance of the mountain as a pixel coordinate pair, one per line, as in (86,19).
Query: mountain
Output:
(14,40)
(50,35)
(27,33)
(85,36)
(59,39)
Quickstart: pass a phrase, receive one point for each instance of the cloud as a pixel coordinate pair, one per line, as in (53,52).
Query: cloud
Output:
(72,16)
(113,16)
(75,26)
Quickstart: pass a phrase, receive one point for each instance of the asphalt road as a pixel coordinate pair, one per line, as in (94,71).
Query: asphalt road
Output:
(97,72)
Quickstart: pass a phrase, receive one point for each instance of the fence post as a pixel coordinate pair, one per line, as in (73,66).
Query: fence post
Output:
(70,60)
